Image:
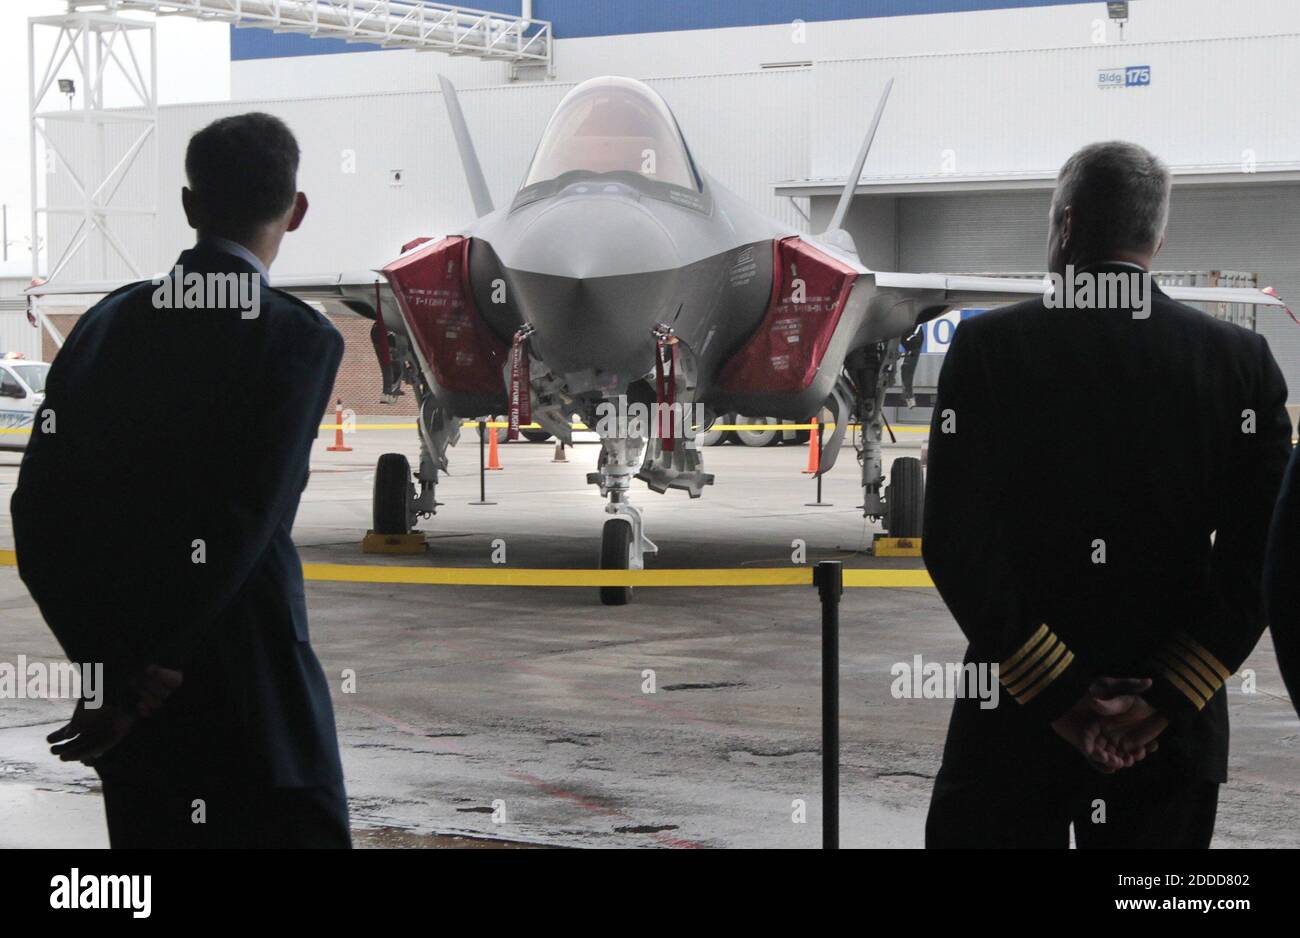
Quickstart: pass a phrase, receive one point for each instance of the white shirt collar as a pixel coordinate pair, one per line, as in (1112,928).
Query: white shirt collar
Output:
(243,253)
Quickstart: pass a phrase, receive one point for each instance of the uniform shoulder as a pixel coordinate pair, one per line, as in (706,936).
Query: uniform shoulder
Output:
(1001,319)
(297,315)
(104,310)
(1228,335)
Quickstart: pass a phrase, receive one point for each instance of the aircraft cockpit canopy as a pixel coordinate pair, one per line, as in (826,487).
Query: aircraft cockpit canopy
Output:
(609,125)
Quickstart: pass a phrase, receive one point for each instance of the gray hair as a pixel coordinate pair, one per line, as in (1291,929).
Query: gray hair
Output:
(1118,196)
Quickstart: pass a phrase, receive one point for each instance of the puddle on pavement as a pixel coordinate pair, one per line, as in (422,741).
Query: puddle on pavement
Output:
(392,837)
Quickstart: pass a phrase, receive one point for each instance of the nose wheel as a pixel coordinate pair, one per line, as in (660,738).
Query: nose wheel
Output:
(616,554)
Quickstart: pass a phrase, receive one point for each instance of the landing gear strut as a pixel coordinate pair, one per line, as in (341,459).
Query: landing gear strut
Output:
(901,504)
(623,544)
(398,501)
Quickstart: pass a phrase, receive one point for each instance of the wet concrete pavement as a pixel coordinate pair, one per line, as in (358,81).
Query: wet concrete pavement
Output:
(518,714)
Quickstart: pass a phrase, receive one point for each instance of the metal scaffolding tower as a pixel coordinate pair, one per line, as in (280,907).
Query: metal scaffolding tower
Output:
(91,149)
(402,24)
(84,155)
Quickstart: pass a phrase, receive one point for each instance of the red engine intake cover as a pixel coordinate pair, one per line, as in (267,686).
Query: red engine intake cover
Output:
(809,290)
(433,290)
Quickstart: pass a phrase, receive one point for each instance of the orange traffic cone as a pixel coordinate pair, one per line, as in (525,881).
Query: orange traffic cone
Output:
(814,449)
(338,446)
(559,453)
(494,454)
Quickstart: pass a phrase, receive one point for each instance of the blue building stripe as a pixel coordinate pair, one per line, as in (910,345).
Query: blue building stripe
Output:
(576,19)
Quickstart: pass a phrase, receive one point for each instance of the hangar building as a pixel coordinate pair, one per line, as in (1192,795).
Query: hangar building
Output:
(991,97)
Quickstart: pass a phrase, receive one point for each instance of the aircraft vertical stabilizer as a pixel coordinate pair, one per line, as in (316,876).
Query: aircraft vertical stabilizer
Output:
(835,233)
(478,189)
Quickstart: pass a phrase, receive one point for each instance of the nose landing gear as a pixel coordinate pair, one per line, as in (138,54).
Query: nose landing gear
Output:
(623,544)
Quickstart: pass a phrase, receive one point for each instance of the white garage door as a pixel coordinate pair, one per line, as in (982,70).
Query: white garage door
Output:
(1252,228)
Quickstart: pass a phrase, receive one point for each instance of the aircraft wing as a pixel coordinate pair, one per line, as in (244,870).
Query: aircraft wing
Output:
(352,292)
(961,290)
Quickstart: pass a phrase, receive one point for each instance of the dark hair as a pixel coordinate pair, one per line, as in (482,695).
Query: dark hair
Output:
(243,171)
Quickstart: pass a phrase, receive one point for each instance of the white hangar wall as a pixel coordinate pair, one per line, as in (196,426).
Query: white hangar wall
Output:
(967,186)
(1209,105)
(687,52)
(1006,118)
(1000,118)
(746,129)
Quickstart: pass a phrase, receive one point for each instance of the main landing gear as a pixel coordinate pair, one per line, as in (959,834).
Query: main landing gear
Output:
(399,502)
(900,505)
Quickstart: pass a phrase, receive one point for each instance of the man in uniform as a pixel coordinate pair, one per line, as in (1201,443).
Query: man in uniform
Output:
(178,423)
(1100,486)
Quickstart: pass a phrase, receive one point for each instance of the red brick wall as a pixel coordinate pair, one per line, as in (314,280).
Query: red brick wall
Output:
(359,381)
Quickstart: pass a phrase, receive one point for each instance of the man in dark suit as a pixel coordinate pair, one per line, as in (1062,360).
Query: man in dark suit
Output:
(179,419)
(1099,493)
(1282,580)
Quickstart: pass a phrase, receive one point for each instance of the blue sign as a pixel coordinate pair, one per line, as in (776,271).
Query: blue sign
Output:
(939,332)
(1131,76)
(1137,76)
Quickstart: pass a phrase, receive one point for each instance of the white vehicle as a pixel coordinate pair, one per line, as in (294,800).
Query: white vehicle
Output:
(22,391)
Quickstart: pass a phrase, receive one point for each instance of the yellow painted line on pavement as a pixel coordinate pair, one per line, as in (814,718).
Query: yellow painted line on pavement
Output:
(505,576)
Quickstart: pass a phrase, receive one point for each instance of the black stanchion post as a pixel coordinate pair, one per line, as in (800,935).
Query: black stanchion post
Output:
(829,579)
(482,464)
(819,439)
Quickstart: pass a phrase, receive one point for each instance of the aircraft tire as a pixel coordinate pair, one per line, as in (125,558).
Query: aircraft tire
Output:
(615,554)
(534,436)
(503,433)
(718,437)
(756,437)
(906,498)
(392,489)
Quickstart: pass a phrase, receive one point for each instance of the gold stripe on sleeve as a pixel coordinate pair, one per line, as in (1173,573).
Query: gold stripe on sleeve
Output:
(1025,648)
(1197,684)
(1197,701)
(1051,676)
(1044,663)
(1204,654)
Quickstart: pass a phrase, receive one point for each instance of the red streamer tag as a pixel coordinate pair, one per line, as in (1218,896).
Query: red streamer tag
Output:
(666,394)
(521,404)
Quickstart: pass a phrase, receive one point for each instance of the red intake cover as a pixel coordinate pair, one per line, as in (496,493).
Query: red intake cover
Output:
(433,291)
(786,350)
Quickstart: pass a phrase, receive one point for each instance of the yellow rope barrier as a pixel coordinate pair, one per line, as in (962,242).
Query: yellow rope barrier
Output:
(509,576)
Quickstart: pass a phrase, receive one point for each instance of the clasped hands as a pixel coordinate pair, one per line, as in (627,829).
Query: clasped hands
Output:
(1111,725)
(91,733)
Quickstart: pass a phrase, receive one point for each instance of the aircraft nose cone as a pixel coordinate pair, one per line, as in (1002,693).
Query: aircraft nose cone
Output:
(594,275)
(588,233)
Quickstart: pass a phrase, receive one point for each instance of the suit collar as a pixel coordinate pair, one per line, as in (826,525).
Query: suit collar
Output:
(212,255)
(1120,267)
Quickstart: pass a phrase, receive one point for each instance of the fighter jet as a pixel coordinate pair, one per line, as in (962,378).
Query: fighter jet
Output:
(622,273)
(623,276)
